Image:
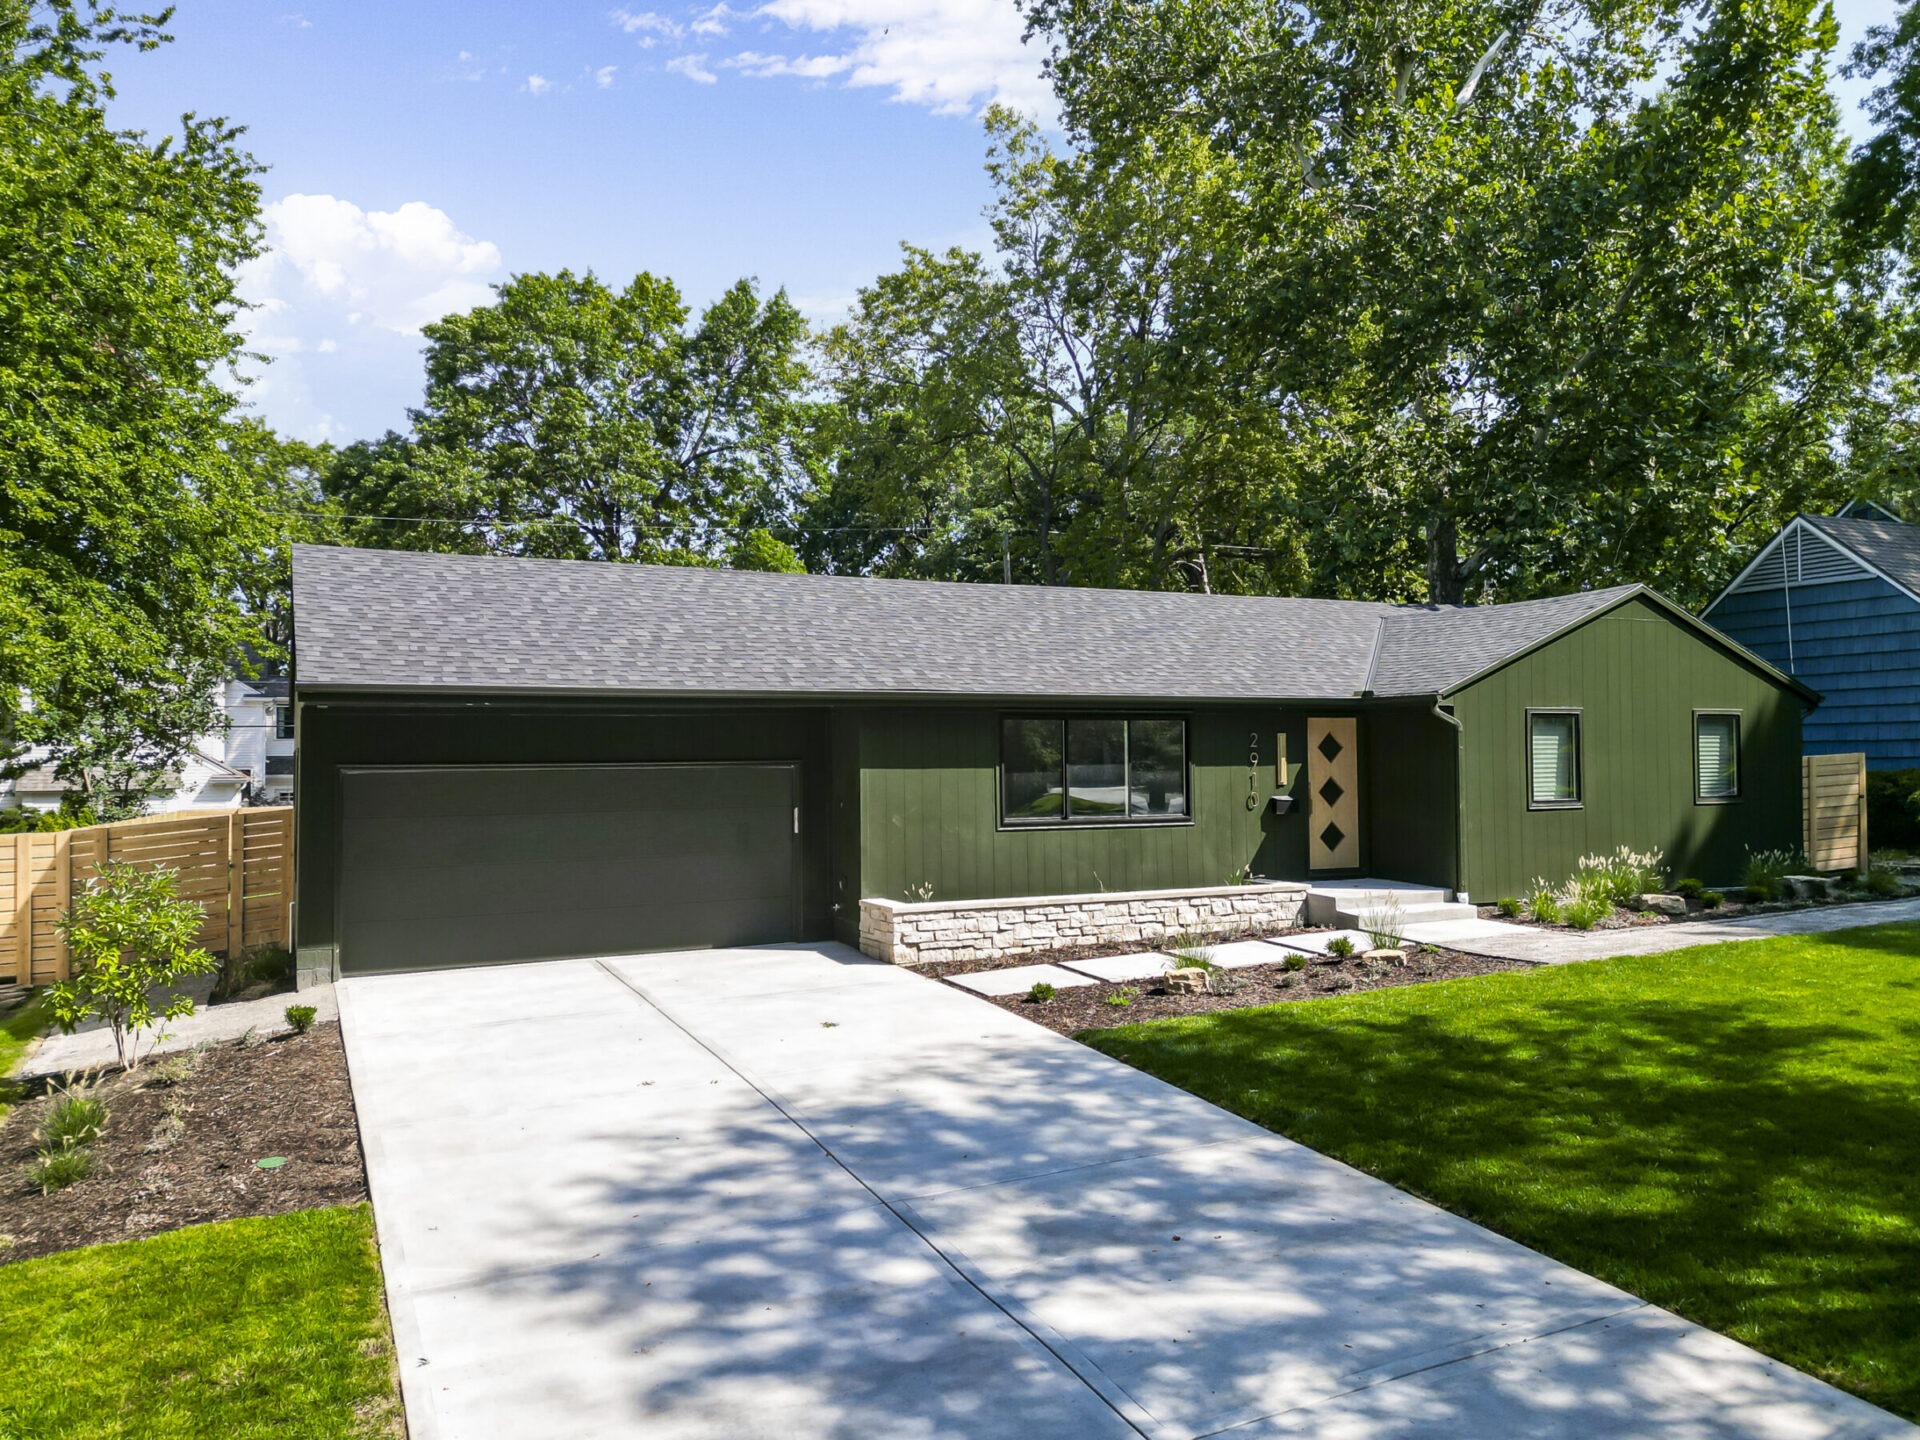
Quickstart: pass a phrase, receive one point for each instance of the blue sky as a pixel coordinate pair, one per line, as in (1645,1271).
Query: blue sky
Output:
(419,153)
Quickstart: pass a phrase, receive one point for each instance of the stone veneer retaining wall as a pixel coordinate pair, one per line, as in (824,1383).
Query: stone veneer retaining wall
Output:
(926,932)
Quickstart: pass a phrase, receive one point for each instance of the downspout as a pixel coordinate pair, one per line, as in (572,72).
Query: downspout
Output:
(1459,796)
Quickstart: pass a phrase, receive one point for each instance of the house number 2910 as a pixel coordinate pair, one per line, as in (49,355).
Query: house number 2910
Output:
(1253,770)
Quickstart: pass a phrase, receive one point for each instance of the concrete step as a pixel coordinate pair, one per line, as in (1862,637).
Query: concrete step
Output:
(1365,917)
(1335,897)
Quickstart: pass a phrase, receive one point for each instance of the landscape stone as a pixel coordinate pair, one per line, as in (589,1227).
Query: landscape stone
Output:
(1191,981)
(1664,904)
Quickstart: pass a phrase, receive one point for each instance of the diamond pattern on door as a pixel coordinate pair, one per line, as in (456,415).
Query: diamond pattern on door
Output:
(1333,834)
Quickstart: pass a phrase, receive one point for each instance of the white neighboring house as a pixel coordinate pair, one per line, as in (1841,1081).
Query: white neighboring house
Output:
(247,758)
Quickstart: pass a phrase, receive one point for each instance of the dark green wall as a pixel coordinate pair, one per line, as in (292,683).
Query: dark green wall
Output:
(1408,771)
(929,811)
(1637,675)
(332,734)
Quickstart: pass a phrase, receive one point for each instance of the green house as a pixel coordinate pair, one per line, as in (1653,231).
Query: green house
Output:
(504,759)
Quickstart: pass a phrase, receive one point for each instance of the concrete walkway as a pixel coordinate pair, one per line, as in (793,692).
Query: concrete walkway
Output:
(1559,947)
(91,1048)
(792,1193)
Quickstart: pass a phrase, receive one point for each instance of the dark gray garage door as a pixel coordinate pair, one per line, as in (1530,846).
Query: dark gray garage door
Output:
(474,865)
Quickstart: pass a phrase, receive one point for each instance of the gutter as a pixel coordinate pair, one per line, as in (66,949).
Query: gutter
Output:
(1459,796)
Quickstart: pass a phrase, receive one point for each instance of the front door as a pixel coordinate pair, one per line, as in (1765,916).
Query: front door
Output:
(1333,781)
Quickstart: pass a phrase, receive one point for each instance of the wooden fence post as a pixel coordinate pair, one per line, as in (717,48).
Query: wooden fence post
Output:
(62,901)
(236,883)
(1865,858)
(23,906)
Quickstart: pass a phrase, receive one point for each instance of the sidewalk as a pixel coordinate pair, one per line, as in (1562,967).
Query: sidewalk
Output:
(1561,947)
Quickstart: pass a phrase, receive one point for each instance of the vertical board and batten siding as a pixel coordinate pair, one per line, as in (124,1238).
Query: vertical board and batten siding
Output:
(1409,775)
(928,809)
(1833,798)
(237,864)
(1855,641)
(1636,675)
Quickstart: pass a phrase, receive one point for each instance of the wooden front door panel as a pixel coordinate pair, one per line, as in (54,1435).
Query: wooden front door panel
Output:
(1333,783)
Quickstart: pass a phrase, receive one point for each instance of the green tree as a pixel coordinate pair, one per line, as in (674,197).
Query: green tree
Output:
(132,938)
(126,530)
(1031,413)
(569,419)
(1558,291)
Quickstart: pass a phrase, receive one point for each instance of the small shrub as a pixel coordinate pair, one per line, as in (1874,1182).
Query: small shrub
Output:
(1758,894)
(1510,906)
(1711,899)
(1041,993)
(1387,924)
(1766,869)
(1620,876)
(1543,904)
(1123,997)
(1586,908)
(1882,881)
(75,1118)
(1294,962)
(58,1166)
(268,965)
(1340,946)
(1689,889)
(1189,951)
(1223,982)
(173,1069)
(300,1018)
(132,938)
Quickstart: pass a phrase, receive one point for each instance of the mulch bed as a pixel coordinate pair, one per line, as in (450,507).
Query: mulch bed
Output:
(179,1154)
(1087,1007)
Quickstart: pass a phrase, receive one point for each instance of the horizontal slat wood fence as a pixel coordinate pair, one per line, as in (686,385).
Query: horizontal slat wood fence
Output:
(238,864)
(1833,811)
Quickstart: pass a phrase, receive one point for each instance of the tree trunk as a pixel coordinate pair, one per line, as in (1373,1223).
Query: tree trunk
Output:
(1446,577)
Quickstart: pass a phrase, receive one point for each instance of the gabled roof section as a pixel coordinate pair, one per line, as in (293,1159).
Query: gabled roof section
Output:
(1888,546)
(393,620)
(1432,651)
(382,620)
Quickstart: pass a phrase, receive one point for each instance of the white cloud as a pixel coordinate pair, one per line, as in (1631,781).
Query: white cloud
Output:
(953,56)
(353,286)
(646,26)
(694,67)
(603,77)
(538,84)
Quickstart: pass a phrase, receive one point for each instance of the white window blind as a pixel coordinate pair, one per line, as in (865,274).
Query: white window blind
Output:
(1716,744)
(1554,756)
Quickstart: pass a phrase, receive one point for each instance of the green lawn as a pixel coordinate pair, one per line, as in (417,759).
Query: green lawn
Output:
(244,1328)
(15,1031)
(1732,1132)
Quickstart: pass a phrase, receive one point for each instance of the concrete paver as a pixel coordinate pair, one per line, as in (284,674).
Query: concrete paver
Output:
(1019,979)
(1116,968)
(794,1193)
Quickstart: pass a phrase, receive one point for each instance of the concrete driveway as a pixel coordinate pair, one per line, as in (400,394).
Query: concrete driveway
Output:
(790,1193)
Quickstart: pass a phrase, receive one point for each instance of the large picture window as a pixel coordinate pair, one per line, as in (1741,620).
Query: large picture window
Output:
(1553,759)
(1716,756)
(1074,770)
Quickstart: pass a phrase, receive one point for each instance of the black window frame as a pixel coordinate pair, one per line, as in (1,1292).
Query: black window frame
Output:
(283,721)
(1066,820)
(1739,755)
(1579,800)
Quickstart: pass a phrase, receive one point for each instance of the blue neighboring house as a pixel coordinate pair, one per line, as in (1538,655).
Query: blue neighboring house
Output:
(1834,600)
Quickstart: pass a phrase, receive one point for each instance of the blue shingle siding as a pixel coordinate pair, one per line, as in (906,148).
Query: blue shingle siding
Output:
(1856,642)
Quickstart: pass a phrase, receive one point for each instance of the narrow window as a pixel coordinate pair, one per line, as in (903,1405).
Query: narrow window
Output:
(1553,758)
(283,722)
(1157,768)
(1716,757)
(1032,783)
(1096,769)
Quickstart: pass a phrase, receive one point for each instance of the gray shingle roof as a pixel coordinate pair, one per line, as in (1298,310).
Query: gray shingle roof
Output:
(395,620)
(1887,545)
